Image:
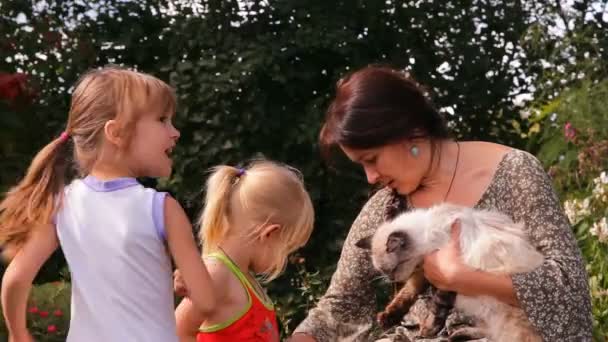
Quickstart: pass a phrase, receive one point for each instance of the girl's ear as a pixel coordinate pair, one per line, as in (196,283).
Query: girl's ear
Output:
(268,231)
(111,131)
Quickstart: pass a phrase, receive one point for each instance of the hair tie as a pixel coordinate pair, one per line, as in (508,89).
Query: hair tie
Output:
(241,172)
(64,136)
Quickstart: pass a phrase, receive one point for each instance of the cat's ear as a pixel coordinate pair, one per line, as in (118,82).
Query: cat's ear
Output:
(397,241)
(365,243)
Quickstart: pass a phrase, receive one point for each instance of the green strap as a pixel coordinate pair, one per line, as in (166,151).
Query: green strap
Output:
(243,278)
(233,268)
(237,272)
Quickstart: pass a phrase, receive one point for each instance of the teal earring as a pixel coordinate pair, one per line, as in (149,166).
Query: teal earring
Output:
(415,151)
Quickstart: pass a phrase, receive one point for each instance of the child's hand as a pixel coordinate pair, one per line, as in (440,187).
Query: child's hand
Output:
(178,285)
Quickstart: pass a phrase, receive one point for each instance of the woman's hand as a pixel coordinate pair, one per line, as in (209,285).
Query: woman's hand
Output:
(444,268)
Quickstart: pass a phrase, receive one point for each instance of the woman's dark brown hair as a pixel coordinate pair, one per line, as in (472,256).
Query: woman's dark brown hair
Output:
(375,106)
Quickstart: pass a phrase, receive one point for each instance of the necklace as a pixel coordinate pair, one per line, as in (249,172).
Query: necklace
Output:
(409,201)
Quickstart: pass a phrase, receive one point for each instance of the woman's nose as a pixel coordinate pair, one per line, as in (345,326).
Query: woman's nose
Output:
(372,175)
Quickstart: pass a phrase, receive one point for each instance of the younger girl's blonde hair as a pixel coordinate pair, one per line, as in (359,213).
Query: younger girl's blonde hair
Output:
(100,95)
(266,192)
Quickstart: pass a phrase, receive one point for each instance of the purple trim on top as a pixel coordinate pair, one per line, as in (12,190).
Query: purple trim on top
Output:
(111,185)
(158,214)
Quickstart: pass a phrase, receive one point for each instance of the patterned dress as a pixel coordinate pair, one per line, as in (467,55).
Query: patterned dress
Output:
(555,296)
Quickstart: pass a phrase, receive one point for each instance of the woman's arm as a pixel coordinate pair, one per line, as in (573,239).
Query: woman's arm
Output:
(187,258)
(555,296)
(347,309)
(20,273)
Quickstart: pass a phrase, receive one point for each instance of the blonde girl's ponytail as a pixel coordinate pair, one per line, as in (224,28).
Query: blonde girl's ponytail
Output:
(34,200)
(214,219)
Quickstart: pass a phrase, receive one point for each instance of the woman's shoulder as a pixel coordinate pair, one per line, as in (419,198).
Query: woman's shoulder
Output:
(504,159)
(519,173)
(519,163)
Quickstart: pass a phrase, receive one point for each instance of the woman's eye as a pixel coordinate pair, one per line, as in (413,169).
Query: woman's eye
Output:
(370,160)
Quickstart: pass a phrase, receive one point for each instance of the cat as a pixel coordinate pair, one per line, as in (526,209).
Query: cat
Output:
(489,241)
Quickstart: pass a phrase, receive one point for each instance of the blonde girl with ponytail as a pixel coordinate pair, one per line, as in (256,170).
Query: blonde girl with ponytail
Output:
(253,219)
(117,236)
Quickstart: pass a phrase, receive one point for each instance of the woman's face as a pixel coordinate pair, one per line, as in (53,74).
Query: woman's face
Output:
(394,165)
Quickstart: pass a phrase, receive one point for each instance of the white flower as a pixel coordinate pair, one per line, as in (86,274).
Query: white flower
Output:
(600,229)
(570,209)
(604,177)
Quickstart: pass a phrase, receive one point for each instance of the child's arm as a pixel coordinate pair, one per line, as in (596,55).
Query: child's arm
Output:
(188,321)
(20,273)
(187,257)
(187,317)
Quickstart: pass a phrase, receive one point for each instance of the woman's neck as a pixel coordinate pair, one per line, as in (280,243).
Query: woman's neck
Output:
(442,173)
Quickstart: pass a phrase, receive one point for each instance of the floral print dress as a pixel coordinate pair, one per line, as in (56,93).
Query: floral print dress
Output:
(555,296)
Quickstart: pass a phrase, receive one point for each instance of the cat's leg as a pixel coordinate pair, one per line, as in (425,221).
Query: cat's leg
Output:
(441,305)
(480,311)
(467,333)
(403,300)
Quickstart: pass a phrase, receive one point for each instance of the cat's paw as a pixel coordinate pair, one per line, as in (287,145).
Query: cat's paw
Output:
(430,326)
(388,319)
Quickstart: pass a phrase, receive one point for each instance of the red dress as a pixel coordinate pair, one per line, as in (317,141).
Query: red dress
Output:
(257,322)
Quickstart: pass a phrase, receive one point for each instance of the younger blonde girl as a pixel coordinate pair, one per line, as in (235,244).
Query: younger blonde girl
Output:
(252,220)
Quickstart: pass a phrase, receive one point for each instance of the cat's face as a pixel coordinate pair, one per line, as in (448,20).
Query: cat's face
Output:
(393,250)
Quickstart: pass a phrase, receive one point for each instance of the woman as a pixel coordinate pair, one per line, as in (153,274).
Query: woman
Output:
(382,120)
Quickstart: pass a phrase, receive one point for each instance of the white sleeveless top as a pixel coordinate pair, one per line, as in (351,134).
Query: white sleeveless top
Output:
(113,237)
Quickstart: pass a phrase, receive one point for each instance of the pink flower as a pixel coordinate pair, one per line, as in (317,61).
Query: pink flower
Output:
(569,131)
(58,313)
(44,314)
(51,328)
(32,309)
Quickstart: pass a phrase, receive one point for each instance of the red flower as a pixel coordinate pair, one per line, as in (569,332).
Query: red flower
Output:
(569,131)
(32,309)
(44,314)
(51,328)
(58,313)
(12,85)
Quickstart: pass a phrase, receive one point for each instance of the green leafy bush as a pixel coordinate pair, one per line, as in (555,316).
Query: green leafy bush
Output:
(48,313)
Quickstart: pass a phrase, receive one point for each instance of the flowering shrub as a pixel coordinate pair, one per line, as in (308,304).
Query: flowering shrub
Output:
(48,313)
(570,138)
(588,215)
(592,209)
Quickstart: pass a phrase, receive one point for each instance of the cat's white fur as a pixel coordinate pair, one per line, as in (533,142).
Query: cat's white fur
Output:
(489,241)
